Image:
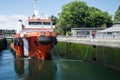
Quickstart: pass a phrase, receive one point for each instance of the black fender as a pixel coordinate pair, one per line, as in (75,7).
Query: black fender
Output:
(45,39)
(17,42)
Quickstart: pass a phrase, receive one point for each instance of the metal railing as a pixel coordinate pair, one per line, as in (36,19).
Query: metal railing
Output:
(91,37)
(6,36)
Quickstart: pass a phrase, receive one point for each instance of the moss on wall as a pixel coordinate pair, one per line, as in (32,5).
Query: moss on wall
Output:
(107,56)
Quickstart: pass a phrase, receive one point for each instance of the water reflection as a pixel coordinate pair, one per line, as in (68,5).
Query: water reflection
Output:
(64,69)
(33,69)
(7,66)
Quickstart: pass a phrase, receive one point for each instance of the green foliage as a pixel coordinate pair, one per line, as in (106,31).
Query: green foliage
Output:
(58,30)
(68,33)
(77,14)
(117,15)
(54,19)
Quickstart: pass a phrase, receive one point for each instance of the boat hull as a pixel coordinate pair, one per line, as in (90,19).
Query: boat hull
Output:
(34,47)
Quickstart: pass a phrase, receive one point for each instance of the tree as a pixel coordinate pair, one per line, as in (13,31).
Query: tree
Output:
(77,14)
(54,19)
(97,18)
(117,15)
(54,22)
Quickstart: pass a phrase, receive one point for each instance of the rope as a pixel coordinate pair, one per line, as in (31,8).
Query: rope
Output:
(58,54)
(86,53)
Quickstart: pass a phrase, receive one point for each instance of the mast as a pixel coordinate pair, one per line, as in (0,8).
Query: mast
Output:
(35,14)
(34,3)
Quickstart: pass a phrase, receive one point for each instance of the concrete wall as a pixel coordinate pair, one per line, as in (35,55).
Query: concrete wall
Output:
(3,44)
(106,56)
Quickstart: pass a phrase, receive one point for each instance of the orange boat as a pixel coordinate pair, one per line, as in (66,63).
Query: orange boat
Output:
(36,38)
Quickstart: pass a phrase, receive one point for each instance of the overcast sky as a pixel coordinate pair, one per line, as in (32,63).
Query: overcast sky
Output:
(13,10)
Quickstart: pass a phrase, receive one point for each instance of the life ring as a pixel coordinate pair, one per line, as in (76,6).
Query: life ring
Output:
(47,33)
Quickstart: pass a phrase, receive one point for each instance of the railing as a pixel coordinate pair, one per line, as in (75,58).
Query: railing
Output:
(93,37)
(6,36)
(107,36)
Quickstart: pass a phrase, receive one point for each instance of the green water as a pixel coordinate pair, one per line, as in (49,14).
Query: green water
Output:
(57,69)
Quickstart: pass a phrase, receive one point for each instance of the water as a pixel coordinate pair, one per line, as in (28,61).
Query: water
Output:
(32,69)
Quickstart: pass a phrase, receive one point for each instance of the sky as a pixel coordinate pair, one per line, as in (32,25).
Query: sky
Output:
(13,10)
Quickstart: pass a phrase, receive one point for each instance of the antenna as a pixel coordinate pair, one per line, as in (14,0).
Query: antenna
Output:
(35,10)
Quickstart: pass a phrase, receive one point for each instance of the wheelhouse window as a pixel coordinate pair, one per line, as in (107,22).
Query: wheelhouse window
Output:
(39,23)
(46,23)
(35,23)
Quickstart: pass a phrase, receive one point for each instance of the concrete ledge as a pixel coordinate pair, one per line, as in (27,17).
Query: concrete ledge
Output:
(99,42)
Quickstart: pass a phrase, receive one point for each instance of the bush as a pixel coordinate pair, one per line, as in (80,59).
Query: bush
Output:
(68,33)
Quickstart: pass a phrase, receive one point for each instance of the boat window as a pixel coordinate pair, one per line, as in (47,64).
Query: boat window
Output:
(35,23)
(46,23)
(39,23)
